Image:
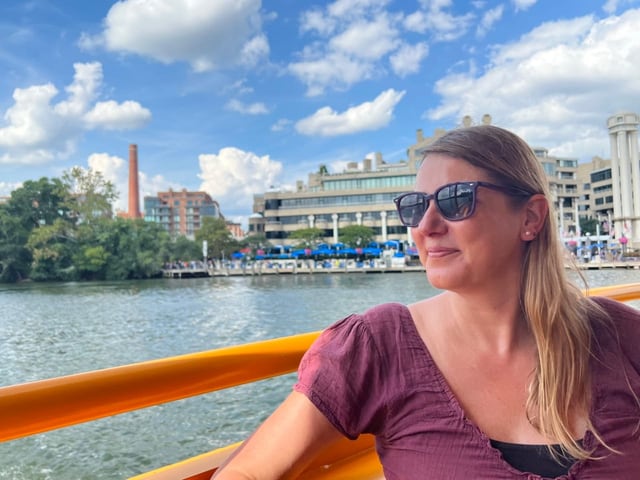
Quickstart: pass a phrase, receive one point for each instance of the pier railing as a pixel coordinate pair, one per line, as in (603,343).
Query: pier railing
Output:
(36,407)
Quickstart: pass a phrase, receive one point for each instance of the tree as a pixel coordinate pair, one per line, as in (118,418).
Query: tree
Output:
(254,241)
(15,257)
(89,195)
(183,248)
(52,248)
(588,225)
(220,243)
(39,203)
(35,205)
(356,235)
(307,236)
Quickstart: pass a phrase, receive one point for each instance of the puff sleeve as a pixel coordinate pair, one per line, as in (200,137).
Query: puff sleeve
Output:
(343,376)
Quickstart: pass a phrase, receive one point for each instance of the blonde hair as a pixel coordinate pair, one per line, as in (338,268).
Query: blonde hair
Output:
(556,310)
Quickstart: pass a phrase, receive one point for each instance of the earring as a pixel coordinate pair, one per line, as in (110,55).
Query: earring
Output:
(527,233)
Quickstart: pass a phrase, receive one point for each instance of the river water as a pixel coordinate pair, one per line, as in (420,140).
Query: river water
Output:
(48,330)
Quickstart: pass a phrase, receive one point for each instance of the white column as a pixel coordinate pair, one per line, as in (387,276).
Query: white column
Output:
(359,218)
(635,187)
(635,171)
(311,219)
(383,216)
(616,226)
(334,217)
(625,174)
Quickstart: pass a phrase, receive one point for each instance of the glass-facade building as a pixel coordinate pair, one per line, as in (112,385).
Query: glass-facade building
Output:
(180,213)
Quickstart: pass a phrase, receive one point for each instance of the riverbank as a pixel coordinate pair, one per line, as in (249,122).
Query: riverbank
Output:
(293,268)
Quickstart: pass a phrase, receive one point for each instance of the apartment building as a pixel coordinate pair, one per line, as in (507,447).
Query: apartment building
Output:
(180,213)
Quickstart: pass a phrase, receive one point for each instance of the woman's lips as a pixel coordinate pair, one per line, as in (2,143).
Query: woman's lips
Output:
(438,252)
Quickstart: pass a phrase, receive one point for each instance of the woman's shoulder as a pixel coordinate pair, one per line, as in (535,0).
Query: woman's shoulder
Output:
(620,327)
(624,317)
(379,327)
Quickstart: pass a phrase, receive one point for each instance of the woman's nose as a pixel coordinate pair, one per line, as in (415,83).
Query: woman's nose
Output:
(432,221)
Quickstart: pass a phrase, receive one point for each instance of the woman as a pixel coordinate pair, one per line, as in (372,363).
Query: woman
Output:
(509,373)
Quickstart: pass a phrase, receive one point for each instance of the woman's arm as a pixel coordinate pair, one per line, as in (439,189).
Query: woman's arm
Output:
(283,445)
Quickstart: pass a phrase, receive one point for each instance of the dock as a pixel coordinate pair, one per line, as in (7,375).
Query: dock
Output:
(295,269)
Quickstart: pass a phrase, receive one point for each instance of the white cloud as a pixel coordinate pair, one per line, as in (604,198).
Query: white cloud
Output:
(232,176)
(353,38)
(7,187)
(334,70)
(350,9)
(316,21)
(523,4)
(111,115)
(369,40)
(408,58)
(549,85)
(249,109)
(205,34)
(38,131)
(489,18)
(434,18)
(280,125)
(373,115)
(116,170)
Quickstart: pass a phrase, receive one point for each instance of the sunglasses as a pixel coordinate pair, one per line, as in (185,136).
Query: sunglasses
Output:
(455,201)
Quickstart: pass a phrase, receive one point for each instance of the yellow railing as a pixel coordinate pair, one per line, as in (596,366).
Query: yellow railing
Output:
(44,405)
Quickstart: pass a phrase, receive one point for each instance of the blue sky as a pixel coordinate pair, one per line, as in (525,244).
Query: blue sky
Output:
(234,97)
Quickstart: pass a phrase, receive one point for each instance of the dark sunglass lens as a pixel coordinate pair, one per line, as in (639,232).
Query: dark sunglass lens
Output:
(411,208)
(456,201)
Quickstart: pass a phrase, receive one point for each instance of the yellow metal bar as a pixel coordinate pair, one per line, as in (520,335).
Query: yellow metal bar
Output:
(622,293)
(45,405)
(343,460)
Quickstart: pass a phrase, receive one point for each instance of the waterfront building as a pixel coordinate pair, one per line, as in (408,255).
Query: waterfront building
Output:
(180,213)
(236,230)
(562,174)
(362,194)
(625,175)
(596,193)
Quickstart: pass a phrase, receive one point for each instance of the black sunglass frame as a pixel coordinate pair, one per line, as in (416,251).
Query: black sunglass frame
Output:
(423,200)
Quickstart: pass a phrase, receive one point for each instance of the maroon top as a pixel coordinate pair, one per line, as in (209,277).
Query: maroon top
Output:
(372,373)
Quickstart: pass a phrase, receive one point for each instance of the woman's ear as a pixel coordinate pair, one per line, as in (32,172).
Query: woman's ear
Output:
(535,213)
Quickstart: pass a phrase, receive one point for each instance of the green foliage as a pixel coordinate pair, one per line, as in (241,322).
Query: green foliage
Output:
(52,248)
(185,249)
(220,242)
(91,262)
(254,241)
(89,195)
(15,257)
(588,225)
(356,235)
(39,203)
(136,249)
(307,236)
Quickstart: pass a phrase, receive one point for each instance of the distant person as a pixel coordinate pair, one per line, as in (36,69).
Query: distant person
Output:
(509,373)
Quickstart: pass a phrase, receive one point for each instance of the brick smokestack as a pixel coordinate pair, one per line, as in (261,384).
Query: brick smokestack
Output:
(134,190)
